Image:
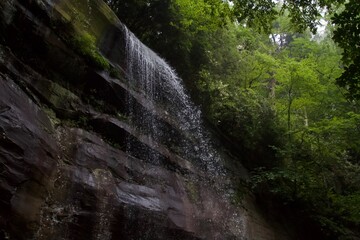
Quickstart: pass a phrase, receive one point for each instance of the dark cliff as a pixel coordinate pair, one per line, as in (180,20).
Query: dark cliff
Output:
(66,168)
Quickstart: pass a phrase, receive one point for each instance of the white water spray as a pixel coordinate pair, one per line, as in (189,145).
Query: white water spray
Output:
(151,75)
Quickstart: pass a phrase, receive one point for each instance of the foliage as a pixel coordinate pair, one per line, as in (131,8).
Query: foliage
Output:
(347,35)
(256,13)
(302,13)
(234,89)
(84,43)
(240,113)
(321,156)
(278,101)
(313,182)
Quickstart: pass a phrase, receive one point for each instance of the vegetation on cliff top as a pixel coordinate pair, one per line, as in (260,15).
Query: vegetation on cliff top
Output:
(285,96)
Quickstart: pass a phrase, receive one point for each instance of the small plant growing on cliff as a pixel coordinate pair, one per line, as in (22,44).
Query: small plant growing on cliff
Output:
(52,117)
(84,43)
(114,73)
(192,191)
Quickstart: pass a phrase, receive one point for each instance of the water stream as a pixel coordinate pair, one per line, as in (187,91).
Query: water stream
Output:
(150,74)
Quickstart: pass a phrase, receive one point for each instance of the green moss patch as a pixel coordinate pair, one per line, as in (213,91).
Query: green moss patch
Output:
(85,44)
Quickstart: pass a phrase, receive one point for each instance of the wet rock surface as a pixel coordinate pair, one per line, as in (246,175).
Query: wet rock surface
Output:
(66,168)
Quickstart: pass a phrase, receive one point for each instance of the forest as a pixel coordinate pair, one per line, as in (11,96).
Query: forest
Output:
(280,81)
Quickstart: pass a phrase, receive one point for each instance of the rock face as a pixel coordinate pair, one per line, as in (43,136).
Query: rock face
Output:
(73,164)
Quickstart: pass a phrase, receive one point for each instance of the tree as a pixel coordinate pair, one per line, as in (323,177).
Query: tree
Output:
(347,35)
(306,14)
(303,13)
(320,159)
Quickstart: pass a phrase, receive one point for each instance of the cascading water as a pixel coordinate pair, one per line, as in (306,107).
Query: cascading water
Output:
(157,81)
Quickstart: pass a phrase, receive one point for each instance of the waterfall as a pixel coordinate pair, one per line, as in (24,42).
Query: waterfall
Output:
(158,82)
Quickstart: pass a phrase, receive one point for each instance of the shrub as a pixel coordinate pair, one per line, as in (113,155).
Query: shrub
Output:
(84,43)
